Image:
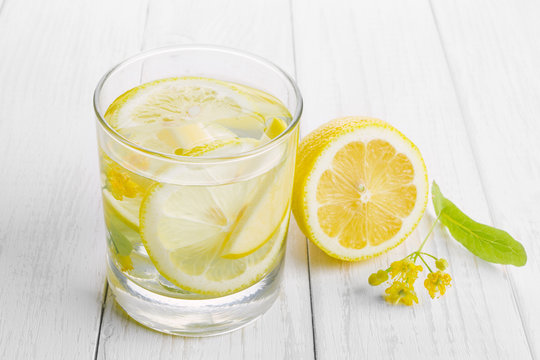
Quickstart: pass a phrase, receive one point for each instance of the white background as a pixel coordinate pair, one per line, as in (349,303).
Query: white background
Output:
(461,78)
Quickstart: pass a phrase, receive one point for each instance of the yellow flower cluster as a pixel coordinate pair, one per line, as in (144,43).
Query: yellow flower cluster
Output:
(120,184)
(404,274)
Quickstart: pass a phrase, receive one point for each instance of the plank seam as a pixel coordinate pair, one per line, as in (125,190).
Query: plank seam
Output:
(103,303)
(293,39)
(311,300)
(475,159)
(291,14)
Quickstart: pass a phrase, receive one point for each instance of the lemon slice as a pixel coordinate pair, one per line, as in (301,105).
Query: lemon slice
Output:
(185,229)
(126,209)
(176,101)
(360,187)
(122,220)
(179,113)
(258,225)
(188,136)
(178,139)
(251,239)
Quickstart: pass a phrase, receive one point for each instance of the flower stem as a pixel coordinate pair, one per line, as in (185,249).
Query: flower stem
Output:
(428,234)
(434,257)
(425,263)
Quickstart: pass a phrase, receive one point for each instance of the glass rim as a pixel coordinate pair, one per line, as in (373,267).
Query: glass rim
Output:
(189,159)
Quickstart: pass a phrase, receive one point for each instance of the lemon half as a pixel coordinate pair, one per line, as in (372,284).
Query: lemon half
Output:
(360,189)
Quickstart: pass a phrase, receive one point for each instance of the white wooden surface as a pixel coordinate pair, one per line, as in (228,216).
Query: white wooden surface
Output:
(460,78)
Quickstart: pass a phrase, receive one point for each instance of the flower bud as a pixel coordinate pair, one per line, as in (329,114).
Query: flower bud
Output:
(378,278)
(441,264)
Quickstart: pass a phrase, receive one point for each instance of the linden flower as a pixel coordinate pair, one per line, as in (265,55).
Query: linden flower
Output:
(120,184)
(437,282)
(401,292)
(406,269)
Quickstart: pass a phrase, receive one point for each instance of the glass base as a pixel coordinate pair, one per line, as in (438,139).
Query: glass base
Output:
(204,317)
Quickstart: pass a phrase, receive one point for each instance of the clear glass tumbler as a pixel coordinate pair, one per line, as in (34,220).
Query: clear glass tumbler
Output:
(141,282)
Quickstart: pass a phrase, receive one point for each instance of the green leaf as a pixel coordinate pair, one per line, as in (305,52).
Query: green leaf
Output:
(121,244)
(120,236)
(486,242)
(438,198)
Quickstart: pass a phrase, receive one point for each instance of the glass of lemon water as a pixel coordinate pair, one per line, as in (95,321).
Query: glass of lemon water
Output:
(197,147)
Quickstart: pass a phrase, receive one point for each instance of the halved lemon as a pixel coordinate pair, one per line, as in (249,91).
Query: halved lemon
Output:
(360,187)
(214,240)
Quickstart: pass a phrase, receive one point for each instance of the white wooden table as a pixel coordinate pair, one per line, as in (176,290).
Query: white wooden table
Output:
(460,77)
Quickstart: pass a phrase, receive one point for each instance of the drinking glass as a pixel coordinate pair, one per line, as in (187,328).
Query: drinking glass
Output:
(133,276)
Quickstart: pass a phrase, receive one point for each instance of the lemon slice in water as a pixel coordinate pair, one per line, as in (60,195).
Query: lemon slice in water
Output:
(126,209)
(204,239)
(176,101)
(178,114)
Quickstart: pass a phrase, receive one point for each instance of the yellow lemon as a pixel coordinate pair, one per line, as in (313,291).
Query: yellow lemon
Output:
(360,188)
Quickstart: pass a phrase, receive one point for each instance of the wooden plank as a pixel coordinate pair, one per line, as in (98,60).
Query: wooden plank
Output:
(494,62)
(51,267)
(384,59)
(285,331)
